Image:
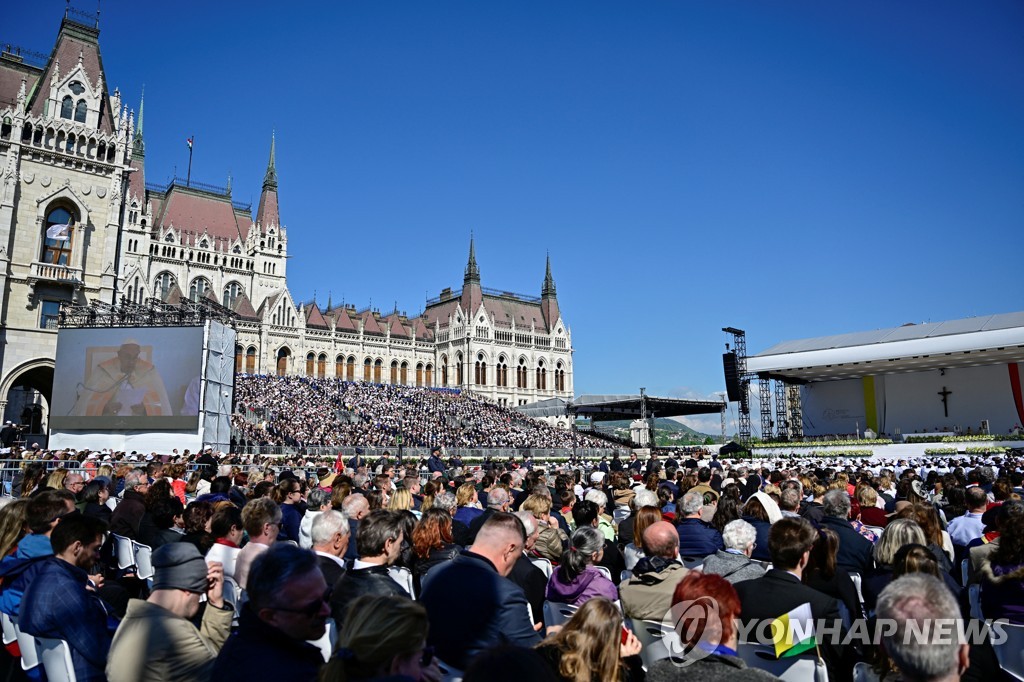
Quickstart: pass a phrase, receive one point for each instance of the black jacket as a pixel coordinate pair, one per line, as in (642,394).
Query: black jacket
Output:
(854,552)
(532,581)
(437,556)
(374,580)
(489,610)
(261,652)
(331,570)
(128,515)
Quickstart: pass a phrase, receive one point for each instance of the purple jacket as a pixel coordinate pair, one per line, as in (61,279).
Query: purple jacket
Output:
(587,585)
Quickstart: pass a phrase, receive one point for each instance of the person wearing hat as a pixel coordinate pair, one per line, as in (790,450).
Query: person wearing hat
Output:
(125,385)
(156,640)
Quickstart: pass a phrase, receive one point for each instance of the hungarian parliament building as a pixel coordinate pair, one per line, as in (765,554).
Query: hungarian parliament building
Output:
(73,153)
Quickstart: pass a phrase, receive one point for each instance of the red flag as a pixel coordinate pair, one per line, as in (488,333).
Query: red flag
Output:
(338,466)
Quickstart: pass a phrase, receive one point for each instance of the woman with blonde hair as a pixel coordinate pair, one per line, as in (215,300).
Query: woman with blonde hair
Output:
(401,500)
(590,647)
(383,637)
(551,539)
(56,478)
(12,525)
(467,501)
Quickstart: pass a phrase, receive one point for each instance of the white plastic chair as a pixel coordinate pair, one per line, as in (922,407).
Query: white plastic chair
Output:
(10,634)
(448,673)
(692,563)
(558,614)
(403,576)
(112,502)
(124,550)
(1010,653)
(632,554)
(143,560)
(858,584)
(624,576)
(657,639)
(546,567)
(29,649)
(603,570)
(620,514)
(55,655)
(804,668)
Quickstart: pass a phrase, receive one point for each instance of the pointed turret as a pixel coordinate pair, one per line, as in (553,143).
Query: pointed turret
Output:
(270,178)
(267,214)
(472,296)
(549,298)
(138,145)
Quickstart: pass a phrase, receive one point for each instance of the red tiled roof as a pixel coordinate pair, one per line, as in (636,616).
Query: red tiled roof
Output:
(267,214)
(370,325)
(342,320)
(210,295)
(505,310)
(397,329)
(243,307)
(196,212)
(421,331)
(10,81)
(174,295)
(66,52)
(137,181)
(314,318)
(441,312)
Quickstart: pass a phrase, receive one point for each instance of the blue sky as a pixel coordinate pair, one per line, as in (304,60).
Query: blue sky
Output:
(791,168)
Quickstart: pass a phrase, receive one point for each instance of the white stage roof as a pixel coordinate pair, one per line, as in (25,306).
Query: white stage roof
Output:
(989,340)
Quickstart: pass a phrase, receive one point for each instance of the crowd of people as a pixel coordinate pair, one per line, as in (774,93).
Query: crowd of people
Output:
(362,570)
(300,411)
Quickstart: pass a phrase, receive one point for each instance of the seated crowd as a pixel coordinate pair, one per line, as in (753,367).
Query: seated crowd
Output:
(352,573)
(301,411)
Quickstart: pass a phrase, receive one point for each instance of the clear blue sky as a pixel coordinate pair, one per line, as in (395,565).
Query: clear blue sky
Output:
(792,168)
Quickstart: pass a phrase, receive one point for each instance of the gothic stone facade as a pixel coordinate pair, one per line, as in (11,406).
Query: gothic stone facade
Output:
(71,153)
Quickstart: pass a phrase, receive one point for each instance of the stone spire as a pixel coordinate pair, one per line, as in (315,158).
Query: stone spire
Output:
(472,271)
(138,146)
(548,290)
(270,179)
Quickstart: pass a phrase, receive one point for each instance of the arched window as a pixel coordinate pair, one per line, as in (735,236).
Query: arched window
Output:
(164,283)
(231,293)
(429,378)
(350,369)
(282,361)
(521,374)
(559,377)
(419,373)
(542,377)
(480,375)
(250,360)
(378,368)
(405,374)
(239,359)
(198,288)
(321,366)
(444,370)
(80,111)
(66,105)
(502,372)
(310,363)
(57,251)
(394,372)
(367,369)
(339,367)
(458,369)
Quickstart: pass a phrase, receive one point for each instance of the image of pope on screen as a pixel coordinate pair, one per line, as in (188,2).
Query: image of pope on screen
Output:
(122,382)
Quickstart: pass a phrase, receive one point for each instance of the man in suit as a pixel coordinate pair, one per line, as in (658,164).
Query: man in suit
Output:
(330,535)
(854,552)
(781,590)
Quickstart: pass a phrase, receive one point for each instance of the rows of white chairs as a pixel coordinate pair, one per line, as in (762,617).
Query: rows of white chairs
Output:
(53,654)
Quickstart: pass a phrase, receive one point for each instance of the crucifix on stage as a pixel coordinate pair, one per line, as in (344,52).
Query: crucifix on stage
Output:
(945,399)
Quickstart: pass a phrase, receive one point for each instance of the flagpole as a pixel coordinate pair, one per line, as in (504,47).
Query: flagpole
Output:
(188,176)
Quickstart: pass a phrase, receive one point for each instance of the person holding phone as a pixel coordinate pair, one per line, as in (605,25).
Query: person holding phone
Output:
(594,645)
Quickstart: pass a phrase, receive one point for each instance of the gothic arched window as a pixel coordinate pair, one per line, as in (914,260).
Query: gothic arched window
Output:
(80,111)
(57,250)
(66,106)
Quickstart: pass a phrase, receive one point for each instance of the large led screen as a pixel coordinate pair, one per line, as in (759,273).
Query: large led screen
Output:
(136,378)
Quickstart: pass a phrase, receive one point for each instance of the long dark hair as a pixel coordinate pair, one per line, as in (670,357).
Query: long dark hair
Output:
(822,560)
(728,510)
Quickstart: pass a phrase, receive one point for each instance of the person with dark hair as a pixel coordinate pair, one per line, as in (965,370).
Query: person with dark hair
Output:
(287,608)
(43,513)
(197,517)
(969,527)
(507,663)
(825,575)
(719,637)
(379,544)
(781,589)
(262,521)
(59,603)
(288,494)
(94,501)
(163,513)
(1001,574)
(490,610)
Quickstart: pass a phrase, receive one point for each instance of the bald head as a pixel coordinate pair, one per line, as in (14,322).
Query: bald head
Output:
(661,539)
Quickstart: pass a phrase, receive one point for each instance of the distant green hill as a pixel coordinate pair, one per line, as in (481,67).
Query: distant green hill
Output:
(667,431)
